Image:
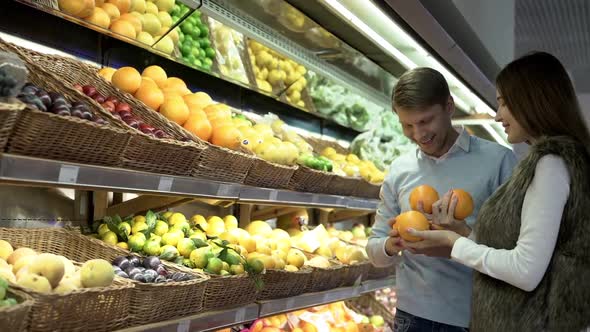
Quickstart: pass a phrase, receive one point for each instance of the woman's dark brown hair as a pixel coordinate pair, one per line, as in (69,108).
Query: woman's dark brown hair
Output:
(540,95)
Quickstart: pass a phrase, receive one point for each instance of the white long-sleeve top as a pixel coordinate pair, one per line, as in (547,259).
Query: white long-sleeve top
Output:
(542,209)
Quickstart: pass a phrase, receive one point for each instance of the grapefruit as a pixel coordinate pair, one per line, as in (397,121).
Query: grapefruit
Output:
(411,219)
(464,206)
(77,8)
(156,73)
(145,38)
(122,5)
(198,100)
(112,10)
(107,73)
(174,109)
(198,124)
(226,136)
(127,79)
(150,95)
(426,194)
(99,17)
(175,84)
(133,20)
(124,28)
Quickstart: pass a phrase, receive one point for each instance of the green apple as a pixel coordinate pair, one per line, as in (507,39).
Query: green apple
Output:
(377,320)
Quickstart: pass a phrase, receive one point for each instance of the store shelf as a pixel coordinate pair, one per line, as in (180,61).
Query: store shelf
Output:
(218,319)
(203,322)
(43,172)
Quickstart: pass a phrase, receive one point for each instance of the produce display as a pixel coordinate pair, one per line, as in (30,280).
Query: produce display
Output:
(335,316)
(49,273)
(383,143)
(387,298)
(274,72)
(148,270)
(5,300)
(194,40)
(56,103)
(229,44)
(351,165)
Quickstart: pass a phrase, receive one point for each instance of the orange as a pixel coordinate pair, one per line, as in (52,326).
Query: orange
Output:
(198,100)
(217,111)
(124,28)
(123,5)
(175,110)
(107,73)
(198,125)
(171,95)
(150,95)
(112,10)
(411,219)
(464,206)
(133,20)
(146,81)
(157,74)
(77,8)
(175,84)
(257,326)
(426,194)
(226,136)
(127,79)
(222,122)
(307,327)
(99,17)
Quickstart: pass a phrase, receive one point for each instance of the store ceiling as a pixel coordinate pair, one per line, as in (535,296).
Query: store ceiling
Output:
(559,27)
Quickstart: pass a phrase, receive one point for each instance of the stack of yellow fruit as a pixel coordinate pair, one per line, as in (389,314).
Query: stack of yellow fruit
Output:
(49,273)
(144,21)
(351,165)
(274,71)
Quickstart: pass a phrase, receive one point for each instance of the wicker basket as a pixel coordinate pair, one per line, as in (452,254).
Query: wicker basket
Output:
(342,185)
(319,145)
(367,189)
(269,175)
(67,138)
(87,309)
(280,283)
(10,109)
(381,272)
(309,180)
(221,164)
(355,273)
(229,291)
(325,278)
(370,302)
(152,302)
(16,318)
(175,156)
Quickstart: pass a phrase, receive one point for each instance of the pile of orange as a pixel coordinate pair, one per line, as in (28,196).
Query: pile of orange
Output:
(170,96)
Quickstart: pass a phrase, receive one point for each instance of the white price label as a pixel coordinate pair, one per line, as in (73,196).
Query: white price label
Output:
(68,174)
(273,195)
(184,326)
(165,183)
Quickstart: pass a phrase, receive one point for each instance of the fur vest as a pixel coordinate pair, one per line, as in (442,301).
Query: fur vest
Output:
(561,302)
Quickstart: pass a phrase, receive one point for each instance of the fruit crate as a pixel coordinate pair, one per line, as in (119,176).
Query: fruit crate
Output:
(155,302)
(309,180)
(281,284)
(367,189)
(10,109)
(325,278)
(269,175)
(175,155)
(85,309)
(67,138)
(15,318)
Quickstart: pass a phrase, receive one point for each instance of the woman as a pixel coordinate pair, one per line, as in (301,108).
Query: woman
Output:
(532,256)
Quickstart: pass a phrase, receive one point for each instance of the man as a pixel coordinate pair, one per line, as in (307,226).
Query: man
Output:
(434,293)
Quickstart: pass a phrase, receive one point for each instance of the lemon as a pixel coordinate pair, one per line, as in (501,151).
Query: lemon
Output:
(200,256)
(123,245)
(136,242)
(172,238)
(166,215)
(138,227)
(161,228)
(124,227)
(110,238)
(230,222)
(138,219)
(103,228)
(198,219)
(229,237)
(352,158)
(197,234)
(176,218)
(215,226)
(185,247)
(237,269)
(214,265)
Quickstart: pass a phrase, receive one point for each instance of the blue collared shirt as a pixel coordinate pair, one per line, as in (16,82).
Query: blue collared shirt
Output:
(434,288)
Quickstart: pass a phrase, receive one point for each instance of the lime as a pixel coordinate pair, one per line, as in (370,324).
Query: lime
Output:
(214,265)
(152,247)
(110,238)
(136,242)
(186,49)
(204,42)
(196,51)
(196,32)
(185,247)
(192,20)
(204,31)
(197,63)
(175,10)
(169,253)
(161,228)
(207,62)
(202,54)
(210,53)
(196,13)
(257,265)
(187,27)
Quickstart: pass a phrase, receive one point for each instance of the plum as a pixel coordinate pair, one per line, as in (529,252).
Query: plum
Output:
(161,270)
(121,259)
(116,268)
(101,121)
(151,262)
(124,114)
(122,274)
(77,113)
(131,271)
(81,105)
(89,90)
(44,97)
(145,128)
(30,89)
(134,260)
(87,115)
(160,133)
(150,275)
(132,122)
(123,107)
(160,279)
(60,108)
(109,106)
(79,88)
(113,100)
(139,277)
(99,98)
(64,112)
(60,102)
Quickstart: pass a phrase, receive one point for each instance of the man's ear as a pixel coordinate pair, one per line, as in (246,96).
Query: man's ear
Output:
(450,106)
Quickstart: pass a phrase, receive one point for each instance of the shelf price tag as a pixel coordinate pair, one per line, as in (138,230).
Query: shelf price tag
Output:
(272,196)
(184,326)
(165,183)
(68,174)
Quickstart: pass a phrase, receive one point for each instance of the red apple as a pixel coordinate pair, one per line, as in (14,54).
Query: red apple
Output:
(109,106)
(99,98)
(113,99)
(124,114)
(123,107)
(79,88)
(145,128)
(89,90)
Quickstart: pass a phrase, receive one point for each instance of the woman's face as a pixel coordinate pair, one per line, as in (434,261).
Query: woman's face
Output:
(515,132)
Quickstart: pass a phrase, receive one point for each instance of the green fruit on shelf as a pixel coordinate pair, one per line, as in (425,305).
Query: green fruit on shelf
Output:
(202,54)
(195,52)
(214,265)
(189,58)
(136,242)
(207,63)
(196,32)
(210,53)
(169,253)
(187,27)
(196,62)
(175,10)
(205,32)
(204,42)
(196,14)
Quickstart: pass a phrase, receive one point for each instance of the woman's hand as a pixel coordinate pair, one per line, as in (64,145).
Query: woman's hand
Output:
(433,242)
(443,215)
(393,243)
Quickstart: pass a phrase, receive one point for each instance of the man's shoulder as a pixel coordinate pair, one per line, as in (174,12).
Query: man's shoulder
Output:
(480,145)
